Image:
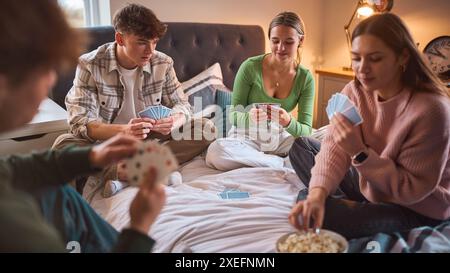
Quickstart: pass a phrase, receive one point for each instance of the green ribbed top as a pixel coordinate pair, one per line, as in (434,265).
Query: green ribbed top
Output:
(249,88)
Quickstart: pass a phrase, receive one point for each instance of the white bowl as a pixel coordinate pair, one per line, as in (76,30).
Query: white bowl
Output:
(342,242)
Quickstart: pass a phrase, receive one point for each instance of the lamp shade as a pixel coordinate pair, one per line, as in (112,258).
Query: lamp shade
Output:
(365,10)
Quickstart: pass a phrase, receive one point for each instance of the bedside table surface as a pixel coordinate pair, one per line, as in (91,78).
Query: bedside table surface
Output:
(50,118)
(336,71)
(49,111)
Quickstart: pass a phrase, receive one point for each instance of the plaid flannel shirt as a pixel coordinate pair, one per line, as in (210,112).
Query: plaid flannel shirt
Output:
(97,93)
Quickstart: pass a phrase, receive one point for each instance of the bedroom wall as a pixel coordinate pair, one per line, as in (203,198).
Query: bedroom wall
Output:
(426,20)
(325,44)
(325,19)
(247,12)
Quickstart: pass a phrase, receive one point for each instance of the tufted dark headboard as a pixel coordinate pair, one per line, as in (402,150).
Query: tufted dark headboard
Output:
(193,47)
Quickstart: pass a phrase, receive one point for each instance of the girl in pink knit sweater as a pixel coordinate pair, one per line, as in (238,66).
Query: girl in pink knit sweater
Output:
(392,172)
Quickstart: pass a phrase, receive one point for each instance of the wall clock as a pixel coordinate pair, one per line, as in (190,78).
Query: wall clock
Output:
(437,53)
(383,5)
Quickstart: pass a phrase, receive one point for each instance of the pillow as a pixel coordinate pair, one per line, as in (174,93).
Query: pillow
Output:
(223,99)
(201,89)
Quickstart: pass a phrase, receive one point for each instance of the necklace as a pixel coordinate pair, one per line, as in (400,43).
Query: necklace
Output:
(276,73)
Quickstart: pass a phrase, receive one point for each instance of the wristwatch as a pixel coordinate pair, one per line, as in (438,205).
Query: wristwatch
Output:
(360,157)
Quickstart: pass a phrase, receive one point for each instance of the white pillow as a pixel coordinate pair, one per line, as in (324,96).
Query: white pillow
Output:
(201,89)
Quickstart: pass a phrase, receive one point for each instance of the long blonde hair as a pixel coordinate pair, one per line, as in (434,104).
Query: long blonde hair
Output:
(290,19)
(390,29)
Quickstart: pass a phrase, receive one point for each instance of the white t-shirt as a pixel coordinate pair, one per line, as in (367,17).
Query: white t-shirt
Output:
(128,110)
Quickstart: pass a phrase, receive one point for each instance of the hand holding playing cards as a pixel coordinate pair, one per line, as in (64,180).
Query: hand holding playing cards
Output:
(258,115)
(164,125)
(148,202)
(280,115)
(139,127)
(313,207)
(113,150)
(340,103)
(149,154)
(347,136)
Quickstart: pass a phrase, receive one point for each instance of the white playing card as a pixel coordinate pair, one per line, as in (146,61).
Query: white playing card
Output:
(339,102)
(353,115)
(344,103)
(328,111)
(164,111)
(168,112)
(155,111)
(330,106)
(150,153)
(334,104)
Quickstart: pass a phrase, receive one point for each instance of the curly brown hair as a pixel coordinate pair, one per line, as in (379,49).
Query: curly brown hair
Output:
(140,21)
(36,35)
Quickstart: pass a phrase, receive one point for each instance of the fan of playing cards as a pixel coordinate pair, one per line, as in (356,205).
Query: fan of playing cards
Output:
(155,112)
(340,103)
(150,154)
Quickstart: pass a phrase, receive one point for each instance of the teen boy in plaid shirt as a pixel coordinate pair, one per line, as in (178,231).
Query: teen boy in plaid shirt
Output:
(118,80)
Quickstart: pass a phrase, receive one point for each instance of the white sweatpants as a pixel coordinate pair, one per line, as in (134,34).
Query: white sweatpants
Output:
(241,149)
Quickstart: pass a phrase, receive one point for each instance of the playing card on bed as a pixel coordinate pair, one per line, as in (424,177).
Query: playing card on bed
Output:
(237,195)
(155,112)
(150,153)
(233,194)
(340,103)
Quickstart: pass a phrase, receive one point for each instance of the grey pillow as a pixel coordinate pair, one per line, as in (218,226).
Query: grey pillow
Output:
(201,89)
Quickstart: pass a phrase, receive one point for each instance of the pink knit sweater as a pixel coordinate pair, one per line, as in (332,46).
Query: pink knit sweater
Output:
(408,137)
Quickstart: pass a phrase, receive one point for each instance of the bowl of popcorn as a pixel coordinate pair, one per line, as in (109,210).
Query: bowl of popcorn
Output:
(312,241)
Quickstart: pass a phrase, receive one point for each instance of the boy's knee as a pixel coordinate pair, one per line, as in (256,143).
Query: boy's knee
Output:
(65,140)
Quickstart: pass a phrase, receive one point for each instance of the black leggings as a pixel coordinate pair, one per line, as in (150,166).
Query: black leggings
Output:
(347,211)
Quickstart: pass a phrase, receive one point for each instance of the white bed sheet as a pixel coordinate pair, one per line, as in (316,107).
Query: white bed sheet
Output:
(196,219)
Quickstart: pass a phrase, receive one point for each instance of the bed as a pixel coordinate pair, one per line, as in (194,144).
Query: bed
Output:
(195,218)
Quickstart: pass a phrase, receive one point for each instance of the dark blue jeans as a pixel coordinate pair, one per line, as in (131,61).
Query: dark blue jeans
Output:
(347,211)
(71,215)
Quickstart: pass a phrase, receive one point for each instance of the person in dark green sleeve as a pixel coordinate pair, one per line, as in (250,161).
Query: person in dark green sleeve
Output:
(39,212)
(261,136)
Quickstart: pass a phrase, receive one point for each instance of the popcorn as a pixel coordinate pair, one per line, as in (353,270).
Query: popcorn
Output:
(310,242)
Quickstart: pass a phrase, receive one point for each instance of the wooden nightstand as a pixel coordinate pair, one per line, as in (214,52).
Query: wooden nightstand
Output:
(331,80)
(39,134)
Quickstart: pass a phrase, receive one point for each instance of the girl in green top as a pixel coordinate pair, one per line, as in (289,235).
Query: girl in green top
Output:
(258,134)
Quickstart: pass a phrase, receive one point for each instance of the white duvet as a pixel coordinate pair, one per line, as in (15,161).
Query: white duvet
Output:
(196,219)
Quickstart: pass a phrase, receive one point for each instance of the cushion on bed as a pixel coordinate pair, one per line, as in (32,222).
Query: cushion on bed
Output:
(201,89)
